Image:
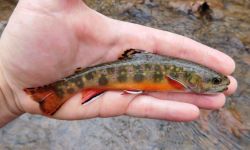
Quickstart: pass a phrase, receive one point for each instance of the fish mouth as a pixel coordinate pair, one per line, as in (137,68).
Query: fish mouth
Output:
(223,87)
(227,82)
(218,89)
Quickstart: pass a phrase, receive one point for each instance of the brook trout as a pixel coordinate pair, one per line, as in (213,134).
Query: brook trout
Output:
(135,70)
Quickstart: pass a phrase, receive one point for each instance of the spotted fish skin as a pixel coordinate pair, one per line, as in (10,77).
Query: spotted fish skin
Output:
(140,71)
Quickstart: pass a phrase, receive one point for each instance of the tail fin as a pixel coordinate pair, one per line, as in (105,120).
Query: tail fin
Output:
(46,97)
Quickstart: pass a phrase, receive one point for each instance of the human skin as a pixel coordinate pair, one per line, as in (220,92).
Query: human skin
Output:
(47,40)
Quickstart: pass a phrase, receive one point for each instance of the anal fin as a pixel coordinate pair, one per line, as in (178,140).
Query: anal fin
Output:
(88,95)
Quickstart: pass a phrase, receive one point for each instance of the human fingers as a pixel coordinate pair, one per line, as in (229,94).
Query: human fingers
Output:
(232,86)
(167,43)
(115,103)
(202,101)
(150,107)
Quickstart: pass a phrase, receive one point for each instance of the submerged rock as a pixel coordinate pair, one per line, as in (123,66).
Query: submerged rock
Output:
(2,26)
(200,8)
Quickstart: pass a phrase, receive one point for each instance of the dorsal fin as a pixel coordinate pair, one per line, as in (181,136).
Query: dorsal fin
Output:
(78,70)
(128,54)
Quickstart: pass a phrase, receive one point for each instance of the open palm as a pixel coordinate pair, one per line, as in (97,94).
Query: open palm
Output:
(45,41)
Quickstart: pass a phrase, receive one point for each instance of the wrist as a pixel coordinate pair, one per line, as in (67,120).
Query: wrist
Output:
(8,107)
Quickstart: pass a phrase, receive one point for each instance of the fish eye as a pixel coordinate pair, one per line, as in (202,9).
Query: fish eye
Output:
(216,80)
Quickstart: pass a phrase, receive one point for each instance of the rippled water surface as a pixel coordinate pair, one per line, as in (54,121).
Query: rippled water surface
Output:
(224,25)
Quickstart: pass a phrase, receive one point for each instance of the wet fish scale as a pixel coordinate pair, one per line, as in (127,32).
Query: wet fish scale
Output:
(139,71)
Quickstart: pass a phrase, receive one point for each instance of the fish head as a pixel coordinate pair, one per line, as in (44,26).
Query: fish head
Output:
(207,82)
(216,84)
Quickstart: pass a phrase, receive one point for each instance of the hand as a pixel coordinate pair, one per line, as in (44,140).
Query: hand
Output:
(47,40)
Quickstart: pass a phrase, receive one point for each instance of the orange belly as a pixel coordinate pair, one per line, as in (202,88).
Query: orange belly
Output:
(166,85)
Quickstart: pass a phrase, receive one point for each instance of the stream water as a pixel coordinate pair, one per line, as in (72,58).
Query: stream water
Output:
(222,24)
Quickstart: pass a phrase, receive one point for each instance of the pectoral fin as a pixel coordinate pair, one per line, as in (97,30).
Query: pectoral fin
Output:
(175,83)
(136,92)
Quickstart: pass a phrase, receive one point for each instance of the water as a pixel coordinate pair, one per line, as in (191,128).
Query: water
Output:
(225,25)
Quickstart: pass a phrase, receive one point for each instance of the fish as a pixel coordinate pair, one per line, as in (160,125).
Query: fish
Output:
(135,70)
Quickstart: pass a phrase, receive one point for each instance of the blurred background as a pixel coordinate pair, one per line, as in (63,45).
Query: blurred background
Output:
(222,24)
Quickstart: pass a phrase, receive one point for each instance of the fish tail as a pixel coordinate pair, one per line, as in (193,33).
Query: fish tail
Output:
(48,100)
